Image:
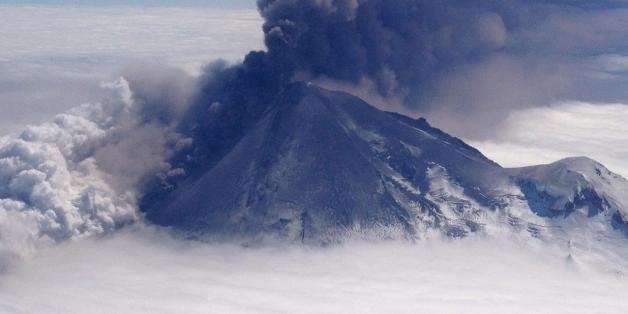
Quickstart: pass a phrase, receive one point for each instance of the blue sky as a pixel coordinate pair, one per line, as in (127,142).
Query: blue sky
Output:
(230,4)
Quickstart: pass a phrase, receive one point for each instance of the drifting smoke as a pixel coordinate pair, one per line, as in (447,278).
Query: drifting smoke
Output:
(401,49)
(401,46)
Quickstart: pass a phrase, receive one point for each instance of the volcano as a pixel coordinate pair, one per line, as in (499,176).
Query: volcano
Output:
(318,165)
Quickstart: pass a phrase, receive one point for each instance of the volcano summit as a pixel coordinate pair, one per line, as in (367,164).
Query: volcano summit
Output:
(319,165)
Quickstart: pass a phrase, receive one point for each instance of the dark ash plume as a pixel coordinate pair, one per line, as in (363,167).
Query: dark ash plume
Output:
(459,58)
(402,46)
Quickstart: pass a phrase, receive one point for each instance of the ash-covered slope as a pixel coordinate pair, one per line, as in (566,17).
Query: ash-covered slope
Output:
(320,164)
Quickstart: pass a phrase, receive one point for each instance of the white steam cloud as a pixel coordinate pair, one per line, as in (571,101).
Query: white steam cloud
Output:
(78,175)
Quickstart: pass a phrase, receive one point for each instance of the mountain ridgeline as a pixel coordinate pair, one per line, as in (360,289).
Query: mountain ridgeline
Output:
(316,166)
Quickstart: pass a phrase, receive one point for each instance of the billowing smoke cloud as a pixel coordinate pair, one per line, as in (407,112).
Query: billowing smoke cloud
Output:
(394,50)
(464,64)
(402,46)
(80,174)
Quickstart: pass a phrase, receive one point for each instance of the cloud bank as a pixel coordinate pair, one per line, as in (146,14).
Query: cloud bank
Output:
(55,57)
(146,271)
(546,134)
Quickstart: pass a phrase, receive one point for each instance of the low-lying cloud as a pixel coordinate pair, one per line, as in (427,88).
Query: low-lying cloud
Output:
(544,135)
(148,271)
(55,57)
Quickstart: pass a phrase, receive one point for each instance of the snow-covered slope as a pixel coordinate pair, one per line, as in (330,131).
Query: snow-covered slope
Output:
(319,164)
(576,186)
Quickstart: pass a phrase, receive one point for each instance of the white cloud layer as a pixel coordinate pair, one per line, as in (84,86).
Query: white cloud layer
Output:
(613,62)
(546,134)
(144,271)
(54,57)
